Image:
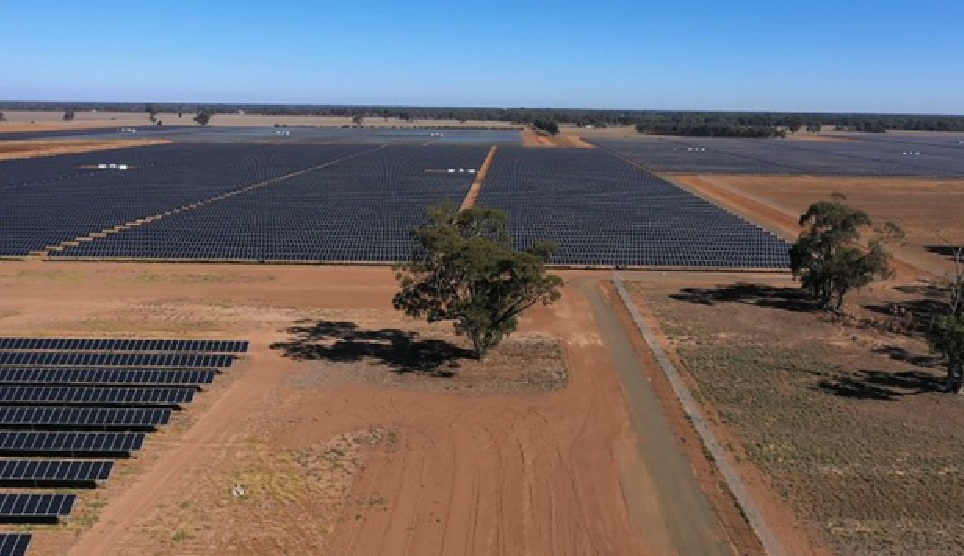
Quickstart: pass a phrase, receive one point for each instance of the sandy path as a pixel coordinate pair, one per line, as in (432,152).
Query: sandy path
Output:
(473,192)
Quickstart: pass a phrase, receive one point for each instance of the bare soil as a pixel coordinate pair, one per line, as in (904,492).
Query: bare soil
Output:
(42,121)
(10,150)
(568,139)
(847,424)
(355,431)
(929,210)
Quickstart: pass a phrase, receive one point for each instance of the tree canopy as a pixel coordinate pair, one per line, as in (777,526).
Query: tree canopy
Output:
(946,333)
(202,118)
(829,257)
(465,270)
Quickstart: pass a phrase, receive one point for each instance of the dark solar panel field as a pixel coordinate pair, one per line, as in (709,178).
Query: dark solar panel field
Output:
(885,156)
(57,424)
(600,210)
(350,203)
(56,199)
(361,209)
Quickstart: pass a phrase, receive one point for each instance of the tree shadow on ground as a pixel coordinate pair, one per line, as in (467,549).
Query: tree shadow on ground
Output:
(344,342)
(946,251)
(917,312)
(882,386)
(898,353)
(789,299)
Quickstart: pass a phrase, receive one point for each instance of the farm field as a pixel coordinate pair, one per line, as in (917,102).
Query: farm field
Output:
(20,120)
(848,425)
(342,448)
(929,210)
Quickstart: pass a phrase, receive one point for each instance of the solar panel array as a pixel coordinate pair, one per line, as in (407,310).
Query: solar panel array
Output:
(14,544)
(361,209)
(865,156)
(100,359)
(69,403)
(55,199)
(67,376)
(94,344)
(602,211)
(53,473)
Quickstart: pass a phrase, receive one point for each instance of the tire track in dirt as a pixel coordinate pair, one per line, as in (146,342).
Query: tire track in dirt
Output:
(211,429)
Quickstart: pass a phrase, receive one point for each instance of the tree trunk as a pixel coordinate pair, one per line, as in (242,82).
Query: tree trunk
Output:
(955,377)
(478,344)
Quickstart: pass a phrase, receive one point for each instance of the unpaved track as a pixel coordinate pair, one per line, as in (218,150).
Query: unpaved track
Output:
(691,523)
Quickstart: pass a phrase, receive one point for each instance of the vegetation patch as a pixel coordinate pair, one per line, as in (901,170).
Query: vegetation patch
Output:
(861,441)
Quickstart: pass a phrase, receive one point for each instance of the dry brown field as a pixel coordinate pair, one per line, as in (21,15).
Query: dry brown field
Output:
(357,431)
(930,211)
(843,422)
(40,121)
(10,150)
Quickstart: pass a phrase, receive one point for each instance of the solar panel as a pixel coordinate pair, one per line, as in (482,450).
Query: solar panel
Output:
(68,395)
(94,376)
(72,444)
(87,359)
(35,508)
(48,417)
(53,473)
(124,344)
(14,544)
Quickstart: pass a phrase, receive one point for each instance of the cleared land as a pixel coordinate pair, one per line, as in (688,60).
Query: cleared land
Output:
(929,210)
(846,423)
(347,444)
(13,150)
(20,120)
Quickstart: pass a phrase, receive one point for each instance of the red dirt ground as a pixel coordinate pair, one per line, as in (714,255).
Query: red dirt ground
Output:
(10,150)
(347,457)
(926,209)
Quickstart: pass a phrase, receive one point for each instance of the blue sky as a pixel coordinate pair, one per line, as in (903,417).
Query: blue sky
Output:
(816,55)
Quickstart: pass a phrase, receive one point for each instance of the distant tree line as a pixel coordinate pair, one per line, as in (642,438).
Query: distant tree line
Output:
(743,124)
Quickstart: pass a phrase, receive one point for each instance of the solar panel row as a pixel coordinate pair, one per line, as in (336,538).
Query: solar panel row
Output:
(48,417)
(100,396)
(19,472)
(93,376)
(33,508)
(93,344)
(14,544)
(85,359)
(76,444)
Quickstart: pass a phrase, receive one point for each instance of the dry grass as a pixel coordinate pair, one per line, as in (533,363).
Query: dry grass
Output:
(847,423)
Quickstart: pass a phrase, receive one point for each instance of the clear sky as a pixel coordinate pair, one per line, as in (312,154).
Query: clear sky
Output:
(812,55)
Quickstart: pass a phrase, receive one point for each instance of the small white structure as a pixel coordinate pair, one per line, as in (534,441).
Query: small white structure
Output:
(112,166)
(451,170)
(471,170)
(122,166)
(101,166)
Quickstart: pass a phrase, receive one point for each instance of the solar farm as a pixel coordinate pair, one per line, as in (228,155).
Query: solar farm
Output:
(67,403)
(133,418)
(357,203)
